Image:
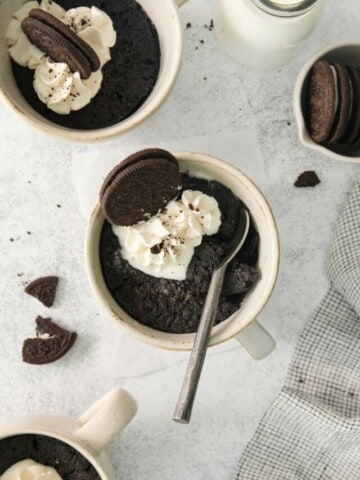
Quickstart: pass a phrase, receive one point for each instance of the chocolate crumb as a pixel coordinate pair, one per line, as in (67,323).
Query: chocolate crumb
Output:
(307,179)
(11,239)
(58,205)
(210,27)
(188,25)
(29,233)
(202,41)
(288,124)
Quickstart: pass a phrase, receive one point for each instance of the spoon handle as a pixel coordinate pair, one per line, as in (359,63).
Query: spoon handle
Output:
(186,399)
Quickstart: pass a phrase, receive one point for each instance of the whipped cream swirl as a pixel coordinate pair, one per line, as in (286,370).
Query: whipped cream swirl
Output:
(163,246)
(56,86)
(63,91)
(30,470)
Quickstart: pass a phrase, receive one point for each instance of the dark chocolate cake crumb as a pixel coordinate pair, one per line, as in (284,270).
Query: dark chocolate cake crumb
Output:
(307,179)
(176,306)
(188,25)
(68,462)
(129,77)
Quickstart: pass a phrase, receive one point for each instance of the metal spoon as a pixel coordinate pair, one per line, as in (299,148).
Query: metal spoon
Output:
(186,399)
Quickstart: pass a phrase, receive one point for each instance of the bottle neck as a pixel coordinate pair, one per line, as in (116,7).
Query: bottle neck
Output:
(285,8)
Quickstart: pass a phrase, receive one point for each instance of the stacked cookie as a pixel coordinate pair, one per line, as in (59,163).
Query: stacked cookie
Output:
(333,104)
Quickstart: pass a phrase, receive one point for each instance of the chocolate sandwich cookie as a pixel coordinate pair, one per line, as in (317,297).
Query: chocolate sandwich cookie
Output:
(60,43)
(345,101)
(323,100)
(353,131)
(140,187)
(51,344)
(44,289)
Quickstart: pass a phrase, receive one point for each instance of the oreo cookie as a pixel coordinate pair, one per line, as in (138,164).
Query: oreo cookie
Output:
(345,100)
(51,344)
(323,100)
(353,130)
(44,289)
(333,102)
(141,186)
(60,43)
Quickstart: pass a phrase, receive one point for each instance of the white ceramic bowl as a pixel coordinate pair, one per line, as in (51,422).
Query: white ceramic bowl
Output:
(165,16)
(255,300)
(347,53)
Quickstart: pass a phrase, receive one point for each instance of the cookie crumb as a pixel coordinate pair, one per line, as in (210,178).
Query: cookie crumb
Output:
(58,205)
(29,233)
(308,178)
(202,41)
(210,27)
(43,289)
(188,25)
(52,342)
(289,124)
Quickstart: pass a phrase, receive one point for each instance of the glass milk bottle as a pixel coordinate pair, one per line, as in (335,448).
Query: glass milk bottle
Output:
(265,33)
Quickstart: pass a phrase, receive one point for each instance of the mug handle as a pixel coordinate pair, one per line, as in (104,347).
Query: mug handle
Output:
(102,422)
(180,3)
(256,340)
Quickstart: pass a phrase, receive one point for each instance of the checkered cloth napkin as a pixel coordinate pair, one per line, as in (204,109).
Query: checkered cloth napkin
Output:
(312,430)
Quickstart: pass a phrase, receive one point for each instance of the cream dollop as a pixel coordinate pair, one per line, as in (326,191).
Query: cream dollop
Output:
(163,246)
(61,90)
(30,470)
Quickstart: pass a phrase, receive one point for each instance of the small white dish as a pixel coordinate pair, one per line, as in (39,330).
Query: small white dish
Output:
(346,53)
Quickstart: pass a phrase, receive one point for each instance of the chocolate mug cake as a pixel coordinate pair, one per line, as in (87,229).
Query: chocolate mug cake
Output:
(84,65)
(158,266)
(34,456)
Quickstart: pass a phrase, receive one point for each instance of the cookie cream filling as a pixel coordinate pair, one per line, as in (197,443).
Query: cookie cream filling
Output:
(30,470)
(334,72)
(56,86)
(163,246)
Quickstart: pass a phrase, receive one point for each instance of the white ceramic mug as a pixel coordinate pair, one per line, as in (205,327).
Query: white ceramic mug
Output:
(165,16)
(347,53)
(242,325)
(90,435)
